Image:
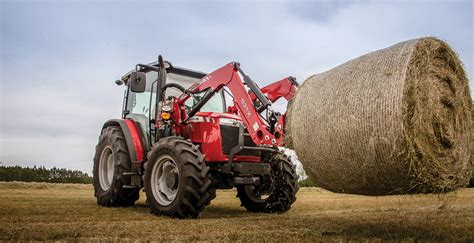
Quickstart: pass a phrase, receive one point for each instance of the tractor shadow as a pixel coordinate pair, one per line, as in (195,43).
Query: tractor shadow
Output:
(211,211)
(217,211)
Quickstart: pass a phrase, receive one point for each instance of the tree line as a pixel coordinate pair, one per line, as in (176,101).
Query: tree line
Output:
(42,174)
(61,175)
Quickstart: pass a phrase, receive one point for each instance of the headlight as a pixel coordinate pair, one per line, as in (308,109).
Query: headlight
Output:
(166,108)
(196,119)
(229,122)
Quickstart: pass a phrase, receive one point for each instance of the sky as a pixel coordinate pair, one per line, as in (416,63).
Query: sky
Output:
(59,59)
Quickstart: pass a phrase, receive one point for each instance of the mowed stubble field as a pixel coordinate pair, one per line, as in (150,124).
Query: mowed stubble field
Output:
(41,211)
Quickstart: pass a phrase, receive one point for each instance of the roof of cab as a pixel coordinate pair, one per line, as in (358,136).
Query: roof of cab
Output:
(170,69)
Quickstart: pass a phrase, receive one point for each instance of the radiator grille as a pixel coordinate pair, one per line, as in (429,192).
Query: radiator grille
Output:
(230,138)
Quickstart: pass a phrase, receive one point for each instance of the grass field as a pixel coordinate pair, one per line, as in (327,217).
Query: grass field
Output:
(40,211)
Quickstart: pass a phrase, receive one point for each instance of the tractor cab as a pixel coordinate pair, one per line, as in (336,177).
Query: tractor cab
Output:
(141,103)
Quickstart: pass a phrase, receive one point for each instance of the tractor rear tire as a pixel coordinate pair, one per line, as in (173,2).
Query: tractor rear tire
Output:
(111,160)
(283,184)
(177,180)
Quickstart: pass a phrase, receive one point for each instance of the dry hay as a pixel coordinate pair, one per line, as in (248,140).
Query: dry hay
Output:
(287,139)
(42,185)
(471,183)
(394,121)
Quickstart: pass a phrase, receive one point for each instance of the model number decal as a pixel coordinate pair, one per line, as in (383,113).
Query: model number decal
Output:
(245,107)
(255,126)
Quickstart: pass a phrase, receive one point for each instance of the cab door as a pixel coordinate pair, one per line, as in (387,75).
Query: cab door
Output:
(140,107)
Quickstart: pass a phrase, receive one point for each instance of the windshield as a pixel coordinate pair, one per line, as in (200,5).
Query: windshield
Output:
(215,104)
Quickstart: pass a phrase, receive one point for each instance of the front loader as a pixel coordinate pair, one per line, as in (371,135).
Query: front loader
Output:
(183,134)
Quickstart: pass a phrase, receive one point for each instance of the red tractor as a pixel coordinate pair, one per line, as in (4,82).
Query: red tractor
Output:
(183,134)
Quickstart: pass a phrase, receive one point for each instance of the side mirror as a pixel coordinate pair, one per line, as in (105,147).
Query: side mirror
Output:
(138,82)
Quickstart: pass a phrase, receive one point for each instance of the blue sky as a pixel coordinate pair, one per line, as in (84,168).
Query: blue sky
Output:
(59,59)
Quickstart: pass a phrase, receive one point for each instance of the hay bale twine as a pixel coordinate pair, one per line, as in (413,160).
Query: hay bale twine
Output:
(393,121)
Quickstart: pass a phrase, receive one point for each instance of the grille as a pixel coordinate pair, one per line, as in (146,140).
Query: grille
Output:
(230,139)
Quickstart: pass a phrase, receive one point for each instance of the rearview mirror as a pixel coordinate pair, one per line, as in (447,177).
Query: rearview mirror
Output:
(138,82)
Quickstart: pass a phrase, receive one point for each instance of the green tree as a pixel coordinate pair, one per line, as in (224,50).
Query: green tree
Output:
(42,174)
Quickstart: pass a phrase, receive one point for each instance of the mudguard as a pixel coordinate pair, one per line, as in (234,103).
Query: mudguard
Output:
(133,138)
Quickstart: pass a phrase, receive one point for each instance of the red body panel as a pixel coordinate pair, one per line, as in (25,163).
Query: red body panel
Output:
(284,88)
(135,138)
(228,76)
(274,91)
(204,129)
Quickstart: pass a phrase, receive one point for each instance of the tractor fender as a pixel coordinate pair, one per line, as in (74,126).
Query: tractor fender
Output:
(133,138)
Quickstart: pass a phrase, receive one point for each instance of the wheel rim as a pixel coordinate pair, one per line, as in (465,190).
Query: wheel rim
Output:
(256,195)
(165,180)
(106,168)
(261,192)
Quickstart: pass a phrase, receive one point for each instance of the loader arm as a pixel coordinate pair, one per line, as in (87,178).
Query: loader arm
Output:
(285,88)
(232,77)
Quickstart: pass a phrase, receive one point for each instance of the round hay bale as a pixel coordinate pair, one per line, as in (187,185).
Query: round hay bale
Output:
(471,182)
(287,139)
(393,121)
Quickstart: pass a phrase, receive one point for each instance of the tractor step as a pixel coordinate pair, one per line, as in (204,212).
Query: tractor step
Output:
(135,180)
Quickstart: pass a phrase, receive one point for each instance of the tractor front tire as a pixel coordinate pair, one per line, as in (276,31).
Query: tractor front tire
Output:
(111,160)
(282,184)
(177,180)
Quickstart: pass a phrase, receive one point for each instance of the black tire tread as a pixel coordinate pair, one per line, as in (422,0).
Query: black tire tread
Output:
(284,191)
(197,192)
(117,195)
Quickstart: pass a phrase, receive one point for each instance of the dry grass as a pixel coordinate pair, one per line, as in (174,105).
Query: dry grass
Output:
(39,211)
